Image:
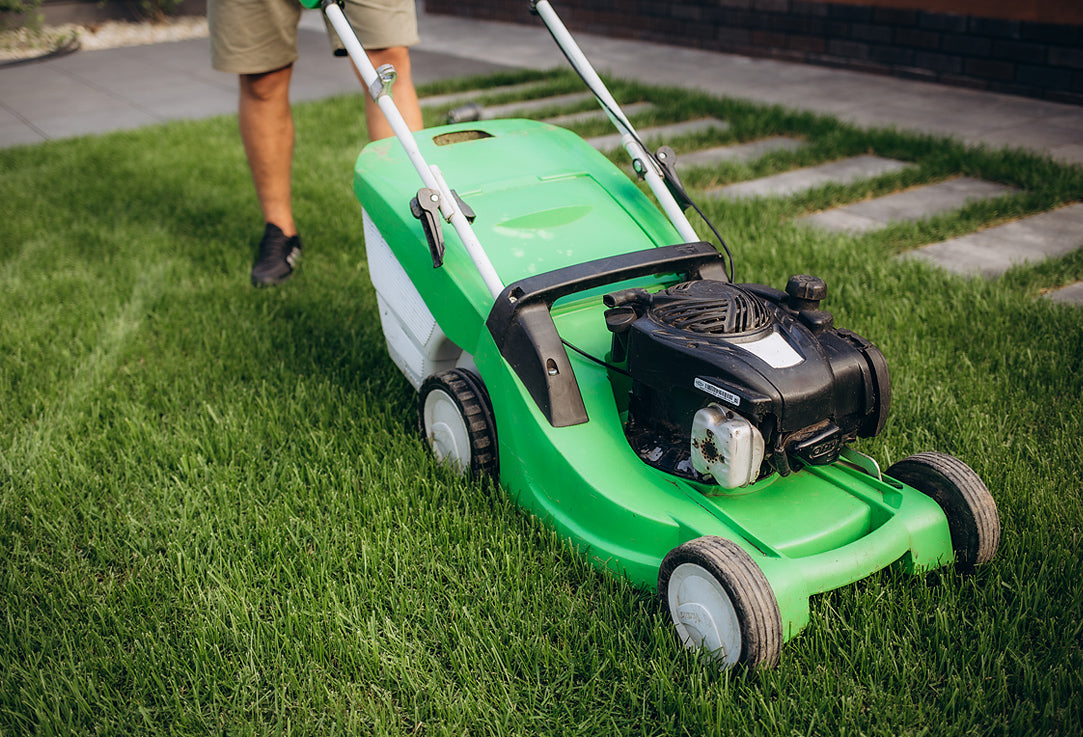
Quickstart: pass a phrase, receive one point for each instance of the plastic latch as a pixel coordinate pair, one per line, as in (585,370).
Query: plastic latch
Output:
(426,208)
(464,208)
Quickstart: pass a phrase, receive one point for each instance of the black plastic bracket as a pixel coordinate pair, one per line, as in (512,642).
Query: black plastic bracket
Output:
(464,208)
(667,159)
(524,332)
(426,208)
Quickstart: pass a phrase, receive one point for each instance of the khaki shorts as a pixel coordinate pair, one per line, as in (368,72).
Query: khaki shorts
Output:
(257,36)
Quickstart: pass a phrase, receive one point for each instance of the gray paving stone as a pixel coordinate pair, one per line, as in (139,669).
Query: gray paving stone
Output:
(636,108)
(1069,295)
(912,205)
(738,152)
(473,95)
(845,171)
(661,133)
(524,108)
(16,133)
(991,252)
(100,91)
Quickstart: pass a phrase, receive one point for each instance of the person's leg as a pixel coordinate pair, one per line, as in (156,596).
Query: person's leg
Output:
(403,92)
(266,125)
(385,28)
(248,38)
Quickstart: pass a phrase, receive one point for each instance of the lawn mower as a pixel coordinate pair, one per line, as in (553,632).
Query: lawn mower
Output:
(592,354)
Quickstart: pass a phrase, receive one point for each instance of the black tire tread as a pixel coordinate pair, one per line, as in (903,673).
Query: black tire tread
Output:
(972,513)
(472,399)
(754,601)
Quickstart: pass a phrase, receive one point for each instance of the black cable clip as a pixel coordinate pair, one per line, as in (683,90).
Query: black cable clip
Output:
(667,159)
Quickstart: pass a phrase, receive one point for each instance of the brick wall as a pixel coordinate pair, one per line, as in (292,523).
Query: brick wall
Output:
(1024,57)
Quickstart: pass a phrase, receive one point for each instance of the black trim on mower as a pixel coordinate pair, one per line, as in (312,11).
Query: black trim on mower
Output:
(524,332)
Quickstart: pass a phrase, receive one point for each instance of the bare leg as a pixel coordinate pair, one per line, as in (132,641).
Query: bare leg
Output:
(404,93)
(267,132)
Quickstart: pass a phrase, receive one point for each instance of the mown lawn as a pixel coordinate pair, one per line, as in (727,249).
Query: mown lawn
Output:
(215,515)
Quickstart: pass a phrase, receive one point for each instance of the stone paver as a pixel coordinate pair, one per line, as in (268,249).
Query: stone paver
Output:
(453,46)
(738,152)
(912,205)
(524,108)
(661,133)
(471,95)
(973,116)
(635,108)
(1069,295)
(991,252)
(845,171)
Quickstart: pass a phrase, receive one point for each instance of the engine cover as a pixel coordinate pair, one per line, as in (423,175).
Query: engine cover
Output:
(771,357)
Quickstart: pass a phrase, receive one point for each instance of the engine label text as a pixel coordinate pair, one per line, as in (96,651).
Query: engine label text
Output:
(715,391)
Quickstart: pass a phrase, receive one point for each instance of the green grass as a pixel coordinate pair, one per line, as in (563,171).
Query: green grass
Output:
(215,515)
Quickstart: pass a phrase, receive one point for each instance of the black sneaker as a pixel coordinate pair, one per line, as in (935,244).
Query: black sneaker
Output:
(277,257)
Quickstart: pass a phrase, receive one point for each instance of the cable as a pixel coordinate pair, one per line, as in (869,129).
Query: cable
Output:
(672,182)
(598,361)
(665,173)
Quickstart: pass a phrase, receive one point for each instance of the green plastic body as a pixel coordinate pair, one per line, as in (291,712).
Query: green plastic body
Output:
(544,199)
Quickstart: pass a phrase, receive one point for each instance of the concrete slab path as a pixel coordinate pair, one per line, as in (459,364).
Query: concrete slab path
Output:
(991,252)
(454,98)
(1069,295)
(100,91)
(971,116)
(662,133)
(845,171)
(524,108)
(912,205)
(741,152)
(631,110)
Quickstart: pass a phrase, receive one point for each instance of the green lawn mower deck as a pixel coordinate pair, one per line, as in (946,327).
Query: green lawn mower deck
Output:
(683,431)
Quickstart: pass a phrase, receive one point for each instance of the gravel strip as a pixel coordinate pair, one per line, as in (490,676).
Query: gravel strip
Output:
(24,43)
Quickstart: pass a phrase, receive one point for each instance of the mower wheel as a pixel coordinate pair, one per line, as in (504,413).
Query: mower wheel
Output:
(720,601)
(456,419)
(971,510)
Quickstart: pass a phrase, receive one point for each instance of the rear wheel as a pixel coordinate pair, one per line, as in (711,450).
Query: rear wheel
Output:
(456,419)
(721,602)
(972,514)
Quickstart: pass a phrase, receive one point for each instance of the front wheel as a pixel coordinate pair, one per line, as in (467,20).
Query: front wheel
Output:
(721,602)
(973,520)
(456,420)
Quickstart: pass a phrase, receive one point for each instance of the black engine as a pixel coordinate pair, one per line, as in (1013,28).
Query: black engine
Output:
(733,381)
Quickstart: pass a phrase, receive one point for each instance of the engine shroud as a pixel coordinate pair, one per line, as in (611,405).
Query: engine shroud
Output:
(769,356)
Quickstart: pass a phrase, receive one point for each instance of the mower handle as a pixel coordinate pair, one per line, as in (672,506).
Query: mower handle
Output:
(630,140)
(523,329)
(378,83)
